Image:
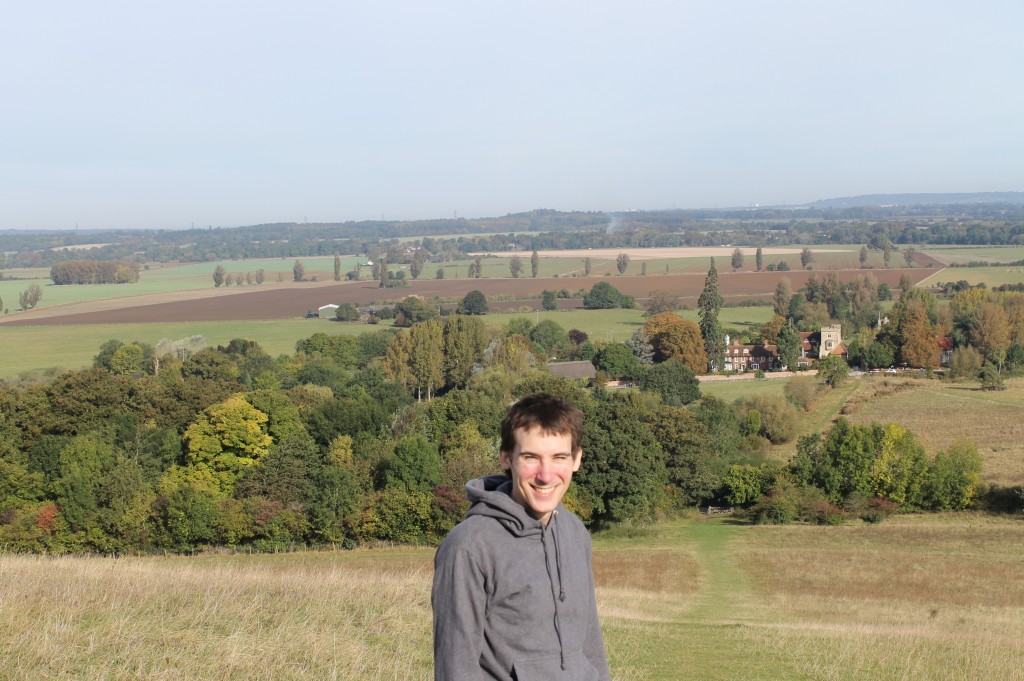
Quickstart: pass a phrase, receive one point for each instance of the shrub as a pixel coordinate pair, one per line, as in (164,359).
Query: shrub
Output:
(816,509)
(779,507)
(965,362)
(547,300)
(802,391)
(953,477)
(870,509)
(771,418)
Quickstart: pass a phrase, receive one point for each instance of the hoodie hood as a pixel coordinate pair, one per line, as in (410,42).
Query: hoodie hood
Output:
(491,496)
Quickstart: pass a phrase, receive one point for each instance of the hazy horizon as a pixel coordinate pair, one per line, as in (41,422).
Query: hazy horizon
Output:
(131,116)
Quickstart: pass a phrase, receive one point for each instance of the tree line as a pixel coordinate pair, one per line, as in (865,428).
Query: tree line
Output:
(968,224)
(94,272)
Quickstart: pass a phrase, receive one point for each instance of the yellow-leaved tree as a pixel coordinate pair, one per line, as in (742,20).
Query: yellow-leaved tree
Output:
(225,440)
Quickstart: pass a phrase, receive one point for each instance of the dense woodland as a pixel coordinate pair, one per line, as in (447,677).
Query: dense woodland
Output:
(357,439)
(965,223)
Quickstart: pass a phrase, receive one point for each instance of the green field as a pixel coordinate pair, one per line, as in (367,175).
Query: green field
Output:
(964,254)
(730,391)
(161,279)
(938,597)
(989,276)
(39,348)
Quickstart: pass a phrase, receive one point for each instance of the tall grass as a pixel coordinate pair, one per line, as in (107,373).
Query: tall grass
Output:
(925,597)
(914,598)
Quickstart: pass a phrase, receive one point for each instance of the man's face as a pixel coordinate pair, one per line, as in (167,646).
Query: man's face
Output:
(541,466)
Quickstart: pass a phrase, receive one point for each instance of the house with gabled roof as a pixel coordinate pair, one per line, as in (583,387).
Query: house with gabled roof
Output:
(749,356)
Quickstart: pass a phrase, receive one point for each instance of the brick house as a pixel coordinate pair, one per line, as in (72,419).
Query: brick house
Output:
(749,356)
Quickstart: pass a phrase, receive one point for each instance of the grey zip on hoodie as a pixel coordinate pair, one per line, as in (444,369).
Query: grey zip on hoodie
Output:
(513,598)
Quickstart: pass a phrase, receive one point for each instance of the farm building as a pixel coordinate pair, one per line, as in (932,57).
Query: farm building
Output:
(328,311)
(580,370)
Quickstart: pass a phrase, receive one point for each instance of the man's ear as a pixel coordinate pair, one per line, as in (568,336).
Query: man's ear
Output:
(506,460)
(578,459)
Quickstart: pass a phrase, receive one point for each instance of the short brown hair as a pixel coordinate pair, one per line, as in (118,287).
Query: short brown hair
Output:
(553,415)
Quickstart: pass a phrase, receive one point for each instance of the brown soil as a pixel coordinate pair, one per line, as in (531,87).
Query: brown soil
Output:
(284,301)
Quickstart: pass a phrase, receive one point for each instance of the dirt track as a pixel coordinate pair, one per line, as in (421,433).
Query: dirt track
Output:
(284,301)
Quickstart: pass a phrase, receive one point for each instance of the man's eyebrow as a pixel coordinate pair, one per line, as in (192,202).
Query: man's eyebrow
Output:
(529,453)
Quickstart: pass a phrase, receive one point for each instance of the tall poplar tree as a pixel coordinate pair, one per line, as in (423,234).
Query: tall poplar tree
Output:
(709,303)
(337,267)
(535,264)
(759,259)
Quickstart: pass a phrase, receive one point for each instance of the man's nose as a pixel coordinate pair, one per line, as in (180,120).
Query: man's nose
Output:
(544,471)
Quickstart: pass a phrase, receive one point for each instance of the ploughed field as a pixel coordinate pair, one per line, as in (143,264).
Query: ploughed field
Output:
(284,301)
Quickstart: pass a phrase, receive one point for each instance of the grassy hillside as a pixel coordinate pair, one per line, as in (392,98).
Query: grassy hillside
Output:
(939,413)
(938,597)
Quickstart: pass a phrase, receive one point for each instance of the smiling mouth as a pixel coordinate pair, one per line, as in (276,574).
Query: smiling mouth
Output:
(544,490)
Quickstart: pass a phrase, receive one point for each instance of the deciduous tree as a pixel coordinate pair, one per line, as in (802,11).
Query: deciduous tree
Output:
(737,260)
(224,441)
(474,302)
(515,266)
(672,336)
(622,262)
(30,297)
(919,344)
(806,258)
(833,370)
(661,301)
(674,381)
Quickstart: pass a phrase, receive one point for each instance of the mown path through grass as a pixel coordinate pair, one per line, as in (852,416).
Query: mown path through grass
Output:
(720,634)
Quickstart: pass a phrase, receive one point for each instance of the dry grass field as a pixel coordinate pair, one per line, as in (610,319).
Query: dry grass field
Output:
(939,597)
(938,413)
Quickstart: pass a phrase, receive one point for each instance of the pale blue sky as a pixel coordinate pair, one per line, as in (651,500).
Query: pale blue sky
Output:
(160,115)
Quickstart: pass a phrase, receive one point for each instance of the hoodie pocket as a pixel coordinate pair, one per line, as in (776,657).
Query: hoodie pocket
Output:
(577,668)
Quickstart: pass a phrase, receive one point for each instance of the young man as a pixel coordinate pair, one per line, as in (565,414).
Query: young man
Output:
(513,594)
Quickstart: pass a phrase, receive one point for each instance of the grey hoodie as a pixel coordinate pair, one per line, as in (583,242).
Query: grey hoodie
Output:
(513,598)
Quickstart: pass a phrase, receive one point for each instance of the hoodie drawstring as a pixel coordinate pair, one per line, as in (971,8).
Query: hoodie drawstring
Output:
(560,598)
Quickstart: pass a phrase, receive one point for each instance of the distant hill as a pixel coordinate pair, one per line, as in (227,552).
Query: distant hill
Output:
(918,199)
